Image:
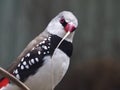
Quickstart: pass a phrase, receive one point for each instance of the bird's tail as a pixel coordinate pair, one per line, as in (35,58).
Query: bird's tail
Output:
(3,82)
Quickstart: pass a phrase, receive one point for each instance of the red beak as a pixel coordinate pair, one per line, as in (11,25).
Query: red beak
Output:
(69,27)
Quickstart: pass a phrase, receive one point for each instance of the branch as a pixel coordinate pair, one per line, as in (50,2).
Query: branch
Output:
(3,72)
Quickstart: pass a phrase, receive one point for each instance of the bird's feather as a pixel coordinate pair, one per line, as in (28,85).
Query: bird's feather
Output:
(32,44)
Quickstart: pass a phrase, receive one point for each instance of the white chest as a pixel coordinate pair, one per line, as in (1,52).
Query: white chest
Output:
(51,73)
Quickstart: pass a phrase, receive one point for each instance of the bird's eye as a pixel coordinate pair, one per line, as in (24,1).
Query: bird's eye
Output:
(63,22)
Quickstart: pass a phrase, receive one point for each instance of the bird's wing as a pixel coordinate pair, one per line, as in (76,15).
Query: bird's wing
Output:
(30,60)
(32,44)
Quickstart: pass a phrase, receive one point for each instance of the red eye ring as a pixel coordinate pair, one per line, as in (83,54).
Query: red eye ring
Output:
(63,22)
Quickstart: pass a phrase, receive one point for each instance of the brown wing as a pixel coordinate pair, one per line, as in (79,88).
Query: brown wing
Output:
(32,44)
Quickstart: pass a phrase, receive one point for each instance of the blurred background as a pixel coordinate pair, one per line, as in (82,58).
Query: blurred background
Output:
(95,63)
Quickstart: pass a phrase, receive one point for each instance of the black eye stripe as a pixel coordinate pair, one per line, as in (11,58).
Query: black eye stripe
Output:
(63,22)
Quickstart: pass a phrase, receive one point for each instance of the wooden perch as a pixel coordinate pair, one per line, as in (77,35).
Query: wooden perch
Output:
(4,73)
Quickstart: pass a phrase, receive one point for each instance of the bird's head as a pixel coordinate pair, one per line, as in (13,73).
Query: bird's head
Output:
(63,25)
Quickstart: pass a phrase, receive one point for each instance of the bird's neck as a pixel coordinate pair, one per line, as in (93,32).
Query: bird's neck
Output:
(69,38)
(65,46)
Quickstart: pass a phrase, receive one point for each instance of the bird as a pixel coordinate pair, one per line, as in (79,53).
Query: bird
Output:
(45,60)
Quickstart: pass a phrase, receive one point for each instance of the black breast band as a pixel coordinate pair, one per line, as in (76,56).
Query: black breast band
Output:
(65,46)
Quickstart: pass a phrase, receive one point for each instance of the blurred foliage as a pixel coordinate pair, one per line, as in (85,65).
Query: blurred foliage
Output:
(97,36)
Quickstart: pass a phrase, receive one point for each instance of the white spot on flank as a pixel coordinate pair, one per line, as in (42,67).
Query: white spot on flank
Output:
(49,38)
(39,52)
(27,66)
(28,55)
(48,43)
(48,52)
(43,42)
(40,43)
(22,59)
(33,48)
(36,59)
(19,65)
(24,63)
(32,61)
(16,71)
(22,67)
(18,76)
(48,46)
(44,53)
(45,47)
